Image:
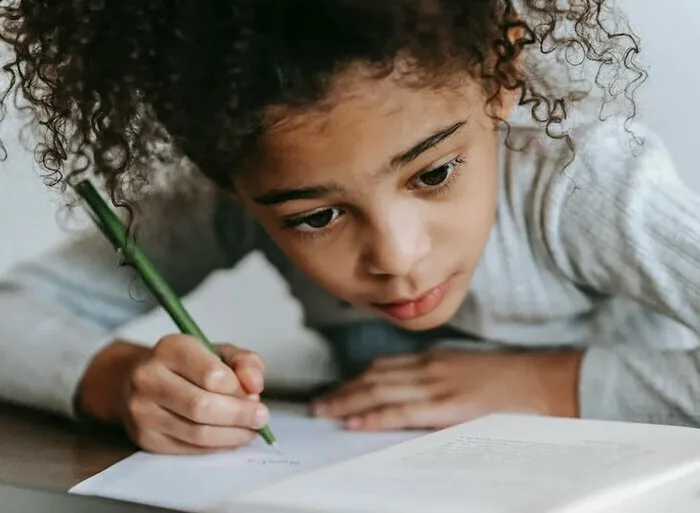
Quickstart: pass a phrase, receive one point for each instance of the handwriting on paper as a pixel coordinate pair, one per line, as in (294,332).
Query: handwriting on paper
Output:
(274,461)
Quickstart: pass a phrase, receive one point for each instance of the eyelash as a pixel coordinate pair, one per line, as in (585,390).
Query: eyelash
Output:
(294,223)
(442,188)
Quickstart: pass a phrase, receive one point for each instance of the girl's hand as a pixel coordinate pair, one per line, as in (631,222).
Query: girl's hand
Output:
(178,397)
(444,387)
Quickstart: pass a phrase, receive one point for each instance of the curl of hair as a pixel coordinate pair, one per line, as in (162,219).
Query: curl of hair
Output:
(124,89)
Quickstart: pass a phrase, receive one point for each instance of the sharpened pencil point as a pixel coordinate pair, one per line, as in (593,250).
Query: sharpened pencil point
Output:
(276,448)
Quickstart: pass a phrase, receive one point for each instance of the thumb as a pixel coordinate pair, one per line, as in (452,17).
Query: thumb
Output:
(247,365)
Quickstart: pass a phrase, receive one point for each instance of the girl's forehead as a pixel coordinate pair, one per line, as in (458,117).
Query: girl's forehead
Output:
(371,112)
(356,137)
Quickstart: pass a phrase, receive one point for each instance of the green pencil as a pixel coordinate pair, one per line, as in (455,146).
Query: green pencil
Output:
(112,227)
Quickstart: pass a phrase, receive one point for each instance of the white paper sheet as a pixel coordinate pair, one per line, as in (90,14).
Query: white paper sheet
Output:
(202,483)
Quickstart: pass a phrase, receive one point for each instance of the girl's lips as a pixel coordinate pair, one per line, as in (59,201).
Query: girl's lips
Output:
(414,308)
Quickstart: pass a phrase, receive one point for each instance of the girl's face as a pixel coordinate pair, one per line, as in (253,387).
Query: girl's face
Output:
(387,199)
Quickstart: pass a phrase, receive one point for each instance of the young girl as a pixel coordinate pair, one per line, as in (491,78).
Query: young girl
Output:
(458,263)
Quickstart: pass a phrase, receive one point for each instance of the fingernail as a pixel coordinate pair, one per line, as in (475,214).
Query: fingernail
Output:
(260,417)
(253,397)
(353,423)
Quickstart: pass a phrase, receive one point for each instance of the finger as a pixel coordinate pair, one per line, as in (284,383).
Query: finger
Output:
(426,414)
(368,382)
(394,362)
(397,375)
(151,440)
(163,431)
(248,366)
(187,357)
(159,385)
(160,443)
(201,435)
(363,397)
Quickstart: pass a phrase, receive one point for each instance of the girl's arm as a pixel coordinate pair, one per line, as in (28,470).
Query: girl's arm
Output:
(60,309)
(622,223)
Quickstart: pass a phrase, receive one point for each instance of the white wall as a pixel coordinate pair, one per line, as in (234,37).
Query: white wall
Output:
(668,101)
(669,98)
(27,208)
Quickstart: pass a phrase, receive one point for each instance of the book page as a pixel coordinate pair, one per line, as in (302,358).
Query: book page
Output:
(679,496)
(497,464)
(203,483)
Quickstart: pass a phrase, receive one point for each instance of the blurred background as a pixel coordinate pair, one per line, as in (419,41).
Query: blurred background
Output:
(237,305)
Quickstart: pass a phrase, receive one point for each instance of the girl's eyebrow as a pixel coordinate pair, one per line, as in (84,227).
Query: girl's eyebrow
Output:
(277,196)
(429,142)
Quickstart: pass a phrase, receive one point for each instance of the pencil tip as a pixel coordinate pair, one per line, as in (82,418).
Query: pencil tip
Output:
(276,447)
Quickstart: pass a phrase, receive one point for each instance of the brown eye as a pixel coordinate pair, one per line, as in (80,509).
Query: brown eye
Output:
(315,221)
(319,220)
(436,176)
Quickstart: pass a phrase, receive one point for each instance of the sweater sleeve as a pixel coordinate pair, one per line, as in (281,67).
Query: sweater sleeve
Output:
(620,222)
(61,308)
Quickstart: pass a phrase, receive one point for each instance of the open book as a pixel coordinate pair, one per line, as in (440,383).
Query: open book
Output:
(502,464)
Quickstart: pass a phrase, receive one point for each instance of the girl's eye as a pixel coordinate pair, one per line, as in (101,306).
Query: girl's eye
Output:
(316,221)
(438,176)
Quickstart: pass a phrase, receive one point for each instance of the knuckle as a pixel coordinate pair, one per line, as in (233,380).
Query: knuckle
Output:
(165,344)
(141,376)
(172,346)
(199,408)
(136,408)
(213,378)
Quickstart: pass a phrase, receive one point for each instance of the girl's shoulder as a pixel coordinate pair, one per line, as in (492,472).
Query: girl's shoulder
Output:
(606,159)
(560,198)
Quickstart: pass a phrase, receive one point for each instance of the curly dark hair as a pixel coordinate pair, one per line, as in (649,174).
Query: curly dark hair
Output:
(117,86)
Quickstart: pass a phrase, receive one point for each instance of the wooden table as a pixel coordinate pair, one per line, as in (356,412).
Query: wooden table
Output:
(42,450)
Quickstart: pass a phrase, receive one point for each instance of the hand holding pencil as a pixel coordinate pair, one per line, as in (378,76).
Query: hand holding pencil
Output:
(185,395)
(179,398)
